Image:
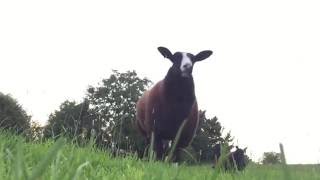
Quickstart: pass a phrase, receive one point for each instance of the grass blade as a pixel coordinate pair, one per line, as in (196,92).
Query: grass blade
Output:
(78,171)
(20,169)
(151,151)
(42,165)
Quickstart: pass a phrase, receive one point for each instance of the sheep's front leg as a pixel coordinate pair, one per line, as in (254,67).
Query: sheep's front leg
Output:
(159,147)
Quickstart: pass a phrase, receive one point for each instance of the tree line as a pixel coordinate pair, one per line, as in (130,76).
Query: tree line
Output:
(106,115)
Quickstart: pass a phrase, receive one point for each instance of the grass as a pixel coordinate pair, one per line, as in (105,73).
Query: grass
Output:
(60,160)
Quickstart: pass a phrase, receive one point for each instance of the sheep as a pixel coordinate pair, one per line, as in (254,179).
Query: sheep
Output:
(235,160)
(162,109)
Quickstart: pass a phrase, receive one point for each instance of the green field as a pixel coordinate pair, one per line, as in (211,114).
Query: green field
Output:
(48,160)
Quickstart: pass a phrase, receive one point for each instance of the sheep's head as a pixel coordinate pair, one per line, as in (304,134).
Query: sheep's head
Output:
(183,62)
(240,157)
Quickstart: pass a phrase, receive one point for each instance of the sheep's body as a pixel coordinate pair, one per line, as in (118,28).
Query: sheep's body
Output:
(157,111)
(164,107)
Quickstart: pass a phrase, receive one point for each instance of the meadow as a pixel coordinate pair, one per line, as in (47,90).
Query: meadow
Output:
(49,160)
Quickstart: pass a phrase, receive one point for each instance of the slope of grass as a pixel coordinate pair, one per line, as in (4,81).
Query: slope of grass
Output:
(59,160)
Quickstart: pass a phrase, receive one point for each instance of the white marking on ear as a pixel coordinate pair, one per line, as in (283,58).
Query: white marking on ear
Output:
(185,62)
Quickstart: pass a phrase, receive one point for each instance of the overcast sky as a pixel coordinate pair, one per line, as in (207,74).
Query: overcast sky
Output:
(262,81)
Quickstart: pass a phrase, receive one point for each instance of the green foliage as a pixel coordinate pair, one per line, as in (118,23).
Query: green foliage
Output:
(112,106)
(71,120)
(271,158)
(107,114)
(209,133)
(35,132)
(12,116)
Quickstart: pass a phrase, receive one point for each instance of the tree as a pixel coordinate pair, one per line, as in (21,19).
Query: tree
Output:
(12,116)
(112,106)
(35,131)
(209,134)
(271,158)
(71,119)
(107,113)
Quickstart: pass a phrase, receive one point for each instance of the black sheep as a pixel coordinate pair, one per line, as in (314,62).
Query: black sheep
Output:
(164,107)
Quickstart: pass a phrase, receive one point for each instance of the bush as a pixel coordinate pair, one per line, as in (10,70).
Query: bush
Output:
(271,158)
(12,116)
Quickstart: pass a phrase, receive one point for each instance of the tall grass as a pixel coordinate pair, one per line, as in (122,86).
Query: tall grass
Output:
(58,160)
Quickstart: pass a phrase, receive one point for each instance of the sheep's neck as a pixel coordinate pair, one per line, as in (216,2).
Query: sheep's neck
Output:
(179,89)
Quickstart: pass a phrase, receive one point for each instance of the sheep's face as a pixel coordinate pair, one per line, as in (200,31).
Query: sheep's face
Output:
(183,62)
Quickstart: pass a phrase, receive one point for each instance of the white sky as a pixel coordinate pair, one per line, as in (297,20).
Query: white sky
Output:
(262,81)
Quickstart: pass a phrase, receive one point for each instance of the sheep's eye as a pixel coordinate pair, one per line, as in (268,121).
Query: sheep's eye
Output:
(176,58)
(190,56)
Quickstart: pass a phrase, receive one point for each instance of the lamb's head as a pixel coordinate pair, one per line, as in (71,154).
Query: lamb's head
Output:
(182,61)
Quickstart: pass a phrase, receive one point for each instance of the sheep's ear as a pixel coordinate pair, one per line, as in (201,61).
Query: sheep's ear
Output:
(165,52)
(202,55)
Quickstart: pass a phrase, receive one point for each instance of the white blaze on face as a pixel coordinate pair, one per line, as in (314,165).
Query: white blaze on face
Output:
(185,62)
